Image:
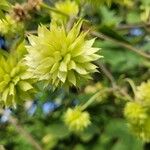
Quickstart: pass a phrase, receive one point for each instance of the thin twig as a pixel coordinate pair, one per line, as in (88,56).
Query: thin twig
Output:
(95,96)
(70,23)
(131,83)
(113,81)
(131,26)
(128,46)
(107,73)
(124,93)
(14,121)
(24,133)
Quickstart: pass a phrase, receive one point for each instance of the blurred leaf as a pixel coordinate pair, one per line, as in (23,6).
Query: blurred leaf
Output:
(58,130)
(88,134)
(119,59)
(113,34)
(79,147)
(109,17)
(126,141)
(117,137)
(133,17)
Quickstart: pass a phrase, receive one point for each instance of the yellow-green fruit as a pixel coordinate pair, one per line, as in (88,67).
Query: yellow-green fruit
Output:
(76,119)
(15,84)
(135,113)
(61,58)
(143,93)
(68,7)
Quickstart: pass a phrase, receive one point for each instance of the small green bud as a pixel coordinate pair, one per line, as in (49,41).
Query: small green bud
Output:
(76,119)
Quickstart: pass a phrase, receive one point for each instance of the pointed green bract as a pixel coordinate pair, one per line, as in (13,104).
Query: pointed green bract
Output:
(15,85)
(59,57)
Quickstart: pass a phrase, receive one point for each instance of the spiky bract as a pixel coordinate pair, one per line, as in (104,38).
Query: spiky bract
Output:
(61,58)
(76,119)
(15,84)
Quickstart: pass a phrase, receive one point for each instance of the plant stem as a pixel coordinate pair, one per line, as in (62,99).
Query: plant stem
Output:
(24,133)
(107,73)
(128,46)
(131,26)
(27,136)
(115,87)
(96,95)
(90,101)
(132,85)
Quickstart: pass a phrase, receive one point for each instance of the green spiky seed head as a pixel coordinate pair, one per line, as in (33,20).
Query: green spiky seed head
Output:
(76,119)
(135,113)
(15,84)
(61,58)
(142,130)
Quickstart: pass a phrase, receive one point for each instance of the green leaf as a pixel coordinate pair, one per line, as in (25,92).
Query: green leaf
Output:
(25,86)
(71,77)
(58,130)
(109,17)
(120,59)
(133,17)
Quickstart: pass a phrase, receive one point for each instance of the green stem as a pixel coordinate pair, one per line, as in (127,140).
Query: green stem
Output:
(54,10)
(90,101)
(132,85)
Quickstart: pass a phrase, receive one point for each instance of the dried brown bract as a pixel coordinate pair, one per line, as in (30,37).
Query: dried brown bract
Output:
(20,13)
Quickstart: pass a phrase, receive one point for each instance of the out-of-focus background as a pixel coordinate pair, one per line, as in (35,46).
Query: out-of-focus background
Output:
(124,37)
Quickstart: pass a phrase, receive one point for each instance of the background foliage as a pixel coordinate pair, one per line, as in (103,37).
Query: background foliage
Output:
(123,34)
